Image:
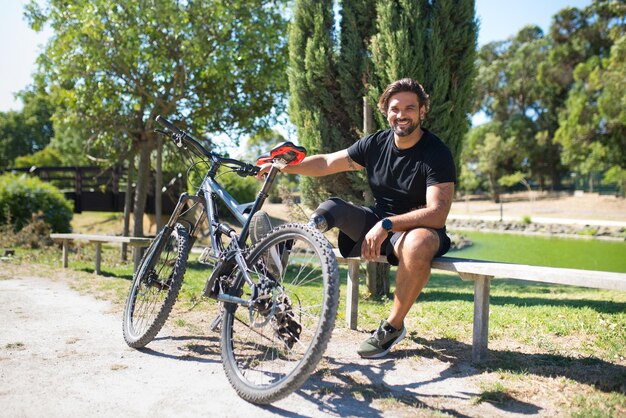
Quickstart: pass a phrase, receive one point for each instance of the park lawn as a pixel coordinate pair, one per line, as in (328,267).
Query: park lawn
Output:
(536,331)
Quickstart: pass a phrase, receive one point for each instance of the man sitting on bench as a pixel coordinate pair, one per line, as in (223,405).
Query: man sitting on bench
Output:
(412,174)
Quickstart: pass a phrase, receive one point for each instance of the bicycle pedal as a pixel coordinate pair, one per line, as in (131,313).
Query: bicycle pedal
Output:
(216,323)
(207,256)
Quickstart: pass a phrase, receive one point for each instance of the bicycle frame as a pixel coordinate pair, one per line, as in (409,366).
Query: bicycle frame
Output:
(208,194)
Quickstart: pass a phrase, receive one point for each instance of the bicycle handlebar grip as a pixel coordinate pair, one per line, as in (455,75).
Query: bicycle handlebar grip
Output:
(167,124)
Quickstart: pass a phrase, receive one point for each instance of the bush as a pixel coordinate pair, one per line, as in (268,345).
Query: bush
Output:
(21,197)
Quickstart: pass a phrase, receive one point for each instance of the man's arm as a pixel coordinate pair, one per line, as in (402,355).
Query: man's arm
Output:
(319,165)
(433,215)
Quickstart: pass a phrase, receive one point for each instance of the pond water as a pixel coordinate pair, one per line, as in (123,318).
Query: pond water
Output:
(589,254)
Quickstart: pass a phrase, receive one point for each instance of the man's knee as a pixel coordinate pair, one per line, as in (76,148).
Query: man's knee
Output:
(419,244)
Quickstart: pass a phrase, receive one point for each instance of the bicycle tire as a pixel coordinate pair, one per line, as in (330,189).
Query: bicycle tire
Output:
(153,293)
(267,357)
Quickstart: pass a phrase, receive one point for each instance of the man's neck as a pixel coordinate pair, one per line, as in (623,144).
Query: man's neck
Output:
(405,142)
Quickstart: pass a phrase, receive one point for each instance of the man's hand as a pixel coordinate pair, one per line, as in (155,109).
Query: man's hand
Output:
(265,168)
(370,250)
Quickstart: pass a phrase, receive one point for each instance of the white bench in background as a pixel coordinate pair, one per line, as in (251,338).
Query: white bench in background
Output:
(482,272)
(134,242)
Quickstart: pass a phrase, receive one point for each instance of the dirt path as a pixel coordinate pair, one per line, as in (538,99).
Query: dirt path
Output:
(62,354)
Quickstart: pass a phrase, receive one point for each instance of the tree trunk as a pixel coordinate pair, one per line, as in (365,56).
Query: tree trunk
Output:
(127,202)
(141,191)
(377,279)
(377,274)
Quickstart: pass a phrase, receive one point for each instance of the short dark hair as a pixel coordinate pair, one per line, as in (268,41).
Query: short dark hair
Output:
(402,85)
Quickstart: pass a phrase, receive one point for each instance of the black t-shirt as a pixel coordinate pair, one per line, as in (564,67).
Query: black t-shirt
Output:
(399,178)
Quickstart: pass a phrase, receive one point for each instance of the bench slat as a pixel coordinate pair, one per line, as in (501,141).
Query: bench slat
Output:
(498,270)
(555,275)
(102,238)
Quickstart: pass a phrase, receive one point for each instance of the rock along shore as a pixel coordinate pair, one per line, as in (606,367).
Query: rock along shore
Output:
(547,229)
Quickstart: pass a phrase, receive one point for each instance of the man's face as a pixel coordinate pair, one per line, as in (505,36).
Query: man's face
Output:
(404,114)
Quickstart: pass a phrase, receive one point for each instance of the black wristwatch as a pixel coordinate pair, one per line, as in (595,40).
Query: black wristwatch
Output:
(387,224)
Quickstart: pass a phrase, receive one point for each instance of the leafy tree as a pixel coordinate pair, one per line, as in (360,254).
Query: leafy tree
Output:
(380,41)
(115,65)
(593,123)
(508,92)
(47,157)
(28,130)
(491,155)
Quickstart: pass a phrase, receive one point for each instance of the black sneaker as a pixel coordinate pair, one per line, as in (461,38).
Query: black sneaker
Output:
(381,341)
(260,225)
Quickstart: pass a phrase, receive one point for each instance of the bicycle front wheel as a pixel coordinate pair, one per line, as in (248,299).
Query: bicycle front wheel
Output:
(155,286)
(270,348)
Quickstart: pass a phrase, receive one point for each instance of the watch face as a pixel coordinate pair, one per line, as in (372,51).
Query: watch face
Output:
(387,224)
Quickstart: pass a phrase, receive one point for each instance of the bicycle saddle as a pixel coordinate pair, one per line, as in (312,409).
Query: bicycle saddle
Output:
(288,152)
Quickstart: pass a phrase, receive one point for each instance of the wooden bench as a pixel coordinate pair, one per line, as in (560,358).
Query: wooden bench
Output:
(482,272)
(98,240)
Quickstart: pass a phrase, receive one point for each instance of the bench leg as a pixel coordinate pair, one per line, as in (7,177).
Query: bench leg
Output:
(137,254)
(352,297)
(481,318)
(66,250)
(98,256)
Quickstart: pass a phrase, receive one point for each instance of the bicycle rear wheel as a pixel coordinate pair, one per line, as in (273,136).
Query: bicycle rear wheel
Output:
(155,286)
(271,348)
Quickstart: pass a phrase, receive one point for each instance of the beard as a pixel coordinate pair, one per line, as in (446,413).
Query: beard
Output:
(405,130)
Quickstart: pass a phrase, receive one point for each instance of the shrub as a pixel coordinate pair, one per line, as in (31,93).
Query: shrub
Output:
(21,197)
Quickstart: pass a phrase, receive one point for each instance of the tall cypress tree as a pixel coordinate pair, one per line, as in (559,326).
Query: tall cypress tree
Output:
(433,42)
(398,47)
(315,106)
(450,56)
(357,26)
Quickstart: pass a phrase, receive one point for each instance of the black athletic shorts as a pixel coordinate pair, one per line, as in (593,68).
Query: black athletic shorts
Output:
(354,222)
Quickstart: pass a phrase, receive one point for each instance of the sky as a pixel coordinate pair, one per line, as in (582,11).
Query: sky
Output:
(499,19)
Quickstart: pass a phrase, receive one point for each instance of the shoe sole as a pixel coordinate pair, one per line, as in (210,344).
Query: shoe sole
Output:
(384,353)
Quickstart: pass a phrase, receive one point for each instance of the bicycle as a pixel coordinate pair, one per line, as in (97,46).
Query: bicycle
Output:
(278,296)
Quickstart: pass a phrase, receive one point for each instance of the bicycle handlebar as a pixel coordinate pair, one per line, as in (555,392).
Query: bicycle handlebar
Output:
(182,138)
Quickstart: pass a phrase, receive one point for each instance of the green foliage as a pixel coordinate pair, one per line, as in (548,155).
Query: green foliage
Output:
(489,157)
(28,130)
(113,65)
(358,24)
(434,43)
(47,157)
(22,198)
(243,189)
(559,97)
(315,105)
(593,123)
(379,42)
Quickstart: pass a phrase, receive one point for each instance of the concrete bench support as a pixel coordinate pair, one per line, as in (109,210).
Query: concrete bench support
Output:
(482,273)
(136,243)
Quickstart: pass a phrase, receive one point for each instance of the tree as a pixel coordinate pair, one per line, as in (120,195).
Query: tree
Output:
(593,123)
(115,65)
(315,105)
(433,42)
(26,131)
(491,155)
